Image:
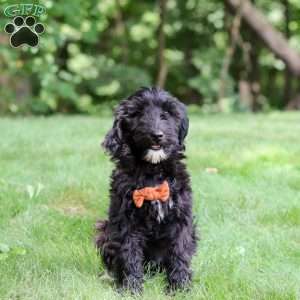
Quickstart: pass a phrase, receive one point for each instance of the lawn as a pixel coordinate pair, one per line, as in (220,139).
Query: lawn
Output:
(245,171)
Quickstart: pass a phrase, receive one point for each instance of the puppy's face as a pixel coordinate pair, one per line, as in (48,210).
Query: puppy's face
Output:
(152,127)
(151,123)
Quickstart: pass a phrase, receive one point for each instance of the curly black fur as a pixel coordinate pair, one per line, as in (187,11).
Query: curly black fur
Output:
(159,234)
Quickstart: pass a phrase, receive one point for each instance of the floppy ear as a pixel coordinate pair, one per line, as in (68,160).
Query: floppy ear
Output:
(184,125)
(113,140)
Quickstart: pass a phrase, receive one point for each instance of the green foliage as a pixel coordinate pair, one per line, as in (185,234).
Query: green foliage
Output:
(76,67)
(94,53)
(246,184)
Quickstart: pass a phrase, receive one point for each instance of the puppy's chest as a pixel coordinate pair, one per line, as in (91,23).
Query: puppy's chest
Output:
(157,210)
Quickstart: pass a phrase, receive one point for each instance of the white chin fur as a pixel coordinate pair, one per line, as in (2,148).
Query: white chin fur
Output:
(155,156)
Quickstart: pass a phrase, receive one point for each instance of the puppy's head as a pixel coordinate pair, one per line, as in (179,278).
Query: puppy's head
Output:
(150,125)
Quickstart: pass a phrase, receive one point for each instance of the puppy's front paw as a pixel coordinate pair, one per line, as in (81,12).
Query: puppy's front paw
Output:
(133,284)
(179,280)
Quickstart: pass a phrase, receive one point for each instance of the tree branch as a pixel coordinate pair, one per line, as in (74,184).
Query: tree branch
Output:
(272,38)
(162,65)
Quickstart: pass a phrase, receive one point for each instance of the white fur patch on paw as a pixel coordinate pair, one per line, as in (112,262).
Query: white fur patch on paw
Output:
(155,156)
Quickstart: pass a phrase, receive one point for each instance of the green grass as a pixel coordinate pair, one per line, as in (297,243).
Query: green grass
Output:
(54,181)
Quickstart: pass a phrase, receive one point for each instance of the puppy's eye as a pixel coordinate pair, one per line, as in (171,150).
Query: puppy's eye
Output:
(164,115)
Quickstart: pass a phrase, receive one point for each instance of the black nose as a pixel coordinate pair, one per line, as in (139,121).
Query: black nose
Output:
(157,136)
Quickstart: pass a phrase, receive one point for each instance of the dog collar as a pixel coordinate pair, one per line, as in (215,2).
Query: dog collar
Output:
(160,192)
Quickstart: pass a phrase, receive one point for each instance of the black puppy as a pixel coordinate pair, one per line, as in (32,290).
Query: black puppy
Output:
(147,145)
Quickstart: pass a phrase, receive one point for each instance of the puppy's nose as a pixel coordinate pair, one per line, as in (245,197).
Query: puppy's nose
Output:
(158,135)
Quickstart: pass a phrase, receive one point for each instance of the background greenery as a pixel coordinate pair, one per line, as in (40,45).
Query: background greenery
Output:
(246,183)
(97,52)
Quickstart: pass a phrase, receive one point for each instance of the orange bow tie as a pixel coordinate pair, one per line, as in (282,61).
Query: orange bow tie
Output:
(160,192)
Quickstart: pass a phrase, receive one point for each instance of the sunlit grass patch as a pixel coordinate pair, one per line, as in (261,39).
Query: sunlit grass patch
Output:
(288,217)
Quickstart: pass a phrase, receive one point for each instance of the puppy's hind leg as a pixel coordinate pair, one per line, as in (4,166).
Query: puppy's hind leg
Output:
(107,248)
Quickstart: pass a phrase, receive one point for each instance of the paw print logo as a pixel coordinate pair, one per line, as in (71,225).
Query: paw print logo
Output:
(24,31)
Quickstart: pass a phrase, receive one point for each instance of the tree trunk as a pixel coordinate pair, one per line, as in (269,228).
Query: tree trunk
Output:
(162,65)
(245,91)
(287,91)
(254,75)
(272,38)
(234,33)
(121,31)
(294,103)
